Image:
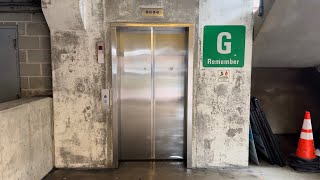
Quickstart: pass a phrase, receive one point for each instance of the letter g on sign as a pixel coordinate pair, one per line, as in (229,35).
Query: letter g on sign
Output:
(227,45)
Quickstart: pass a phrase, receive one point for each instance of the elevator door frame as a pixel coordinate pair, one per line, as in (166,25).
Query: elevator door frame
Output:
(115,86)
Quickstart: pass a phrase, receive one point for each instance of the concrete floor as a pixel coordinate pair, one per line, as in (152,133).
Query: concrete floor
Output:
(176,171)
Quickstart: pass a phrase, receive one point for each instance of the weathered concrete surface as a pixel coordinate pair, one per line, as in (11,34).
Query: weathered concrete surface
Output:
(285,93)
(289,35)
(221,120)
(176,171)
(70,16)
(80,124)
(26,149)
(83,133)
(79,121)
(179,11)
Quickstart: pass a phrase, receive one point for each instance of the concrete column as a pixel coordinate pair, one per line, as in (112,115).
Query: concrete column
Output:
(221,120)
(81,128)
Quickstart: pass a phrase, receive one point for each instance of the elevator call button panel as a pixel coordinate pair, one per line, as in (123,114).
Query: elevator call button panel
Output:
(105,98)
(100,48)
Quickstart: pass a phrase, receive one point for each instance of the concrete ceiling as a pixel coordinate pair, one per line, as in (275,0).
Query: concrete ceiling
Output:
(289,36)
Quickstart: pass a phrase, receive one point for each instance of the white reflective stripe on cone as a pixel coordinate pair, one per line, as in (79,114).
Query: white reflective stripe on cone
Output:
(306,136)
(307,124)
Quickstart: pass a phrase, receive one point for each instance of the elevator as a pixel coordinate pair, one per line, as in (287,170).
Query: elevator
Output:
(150,91)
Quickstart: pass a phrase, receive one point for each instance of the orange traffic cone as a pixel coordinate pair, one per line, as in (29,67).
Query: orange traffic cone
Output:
(306,148)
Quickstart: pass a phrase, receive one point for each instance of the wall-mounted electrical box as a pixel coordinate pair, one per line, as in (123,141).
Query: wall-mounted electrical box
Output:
(100,48)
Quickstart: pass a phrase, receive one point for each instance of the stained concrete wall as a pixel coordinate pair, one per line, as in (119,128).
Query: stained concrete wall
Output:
(83,130)
(285,93)
(26,149)
(34,51)
(221,118)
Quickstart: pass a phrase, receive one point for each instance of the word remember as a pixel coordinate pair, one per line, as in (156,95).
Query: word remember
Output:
(222,61)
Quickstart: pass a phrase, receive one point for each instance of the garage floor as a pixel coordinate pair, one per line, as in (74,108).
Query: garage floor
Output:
(176,171)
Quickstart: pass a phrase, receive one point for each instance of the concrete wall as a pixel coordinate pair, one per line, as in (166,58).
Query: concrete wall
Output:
(259,20)
(83,130)
(222,109)
(285,94)
(34,51)
(289,35)
(26,139)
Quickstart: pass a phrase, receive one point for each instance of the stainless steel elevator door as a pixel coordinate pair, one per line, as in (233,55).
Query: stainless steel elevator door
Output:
(152,68)
(134,54)
(170,57)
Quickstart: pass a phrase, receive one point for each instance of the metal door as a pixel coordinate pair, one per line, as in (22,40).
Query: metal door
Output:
(134,55)
(170,57)
(151,85)
(9,71)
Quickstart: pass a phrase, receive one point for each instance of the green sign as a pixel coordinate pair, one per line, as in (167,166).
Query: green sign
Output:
(224,46)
